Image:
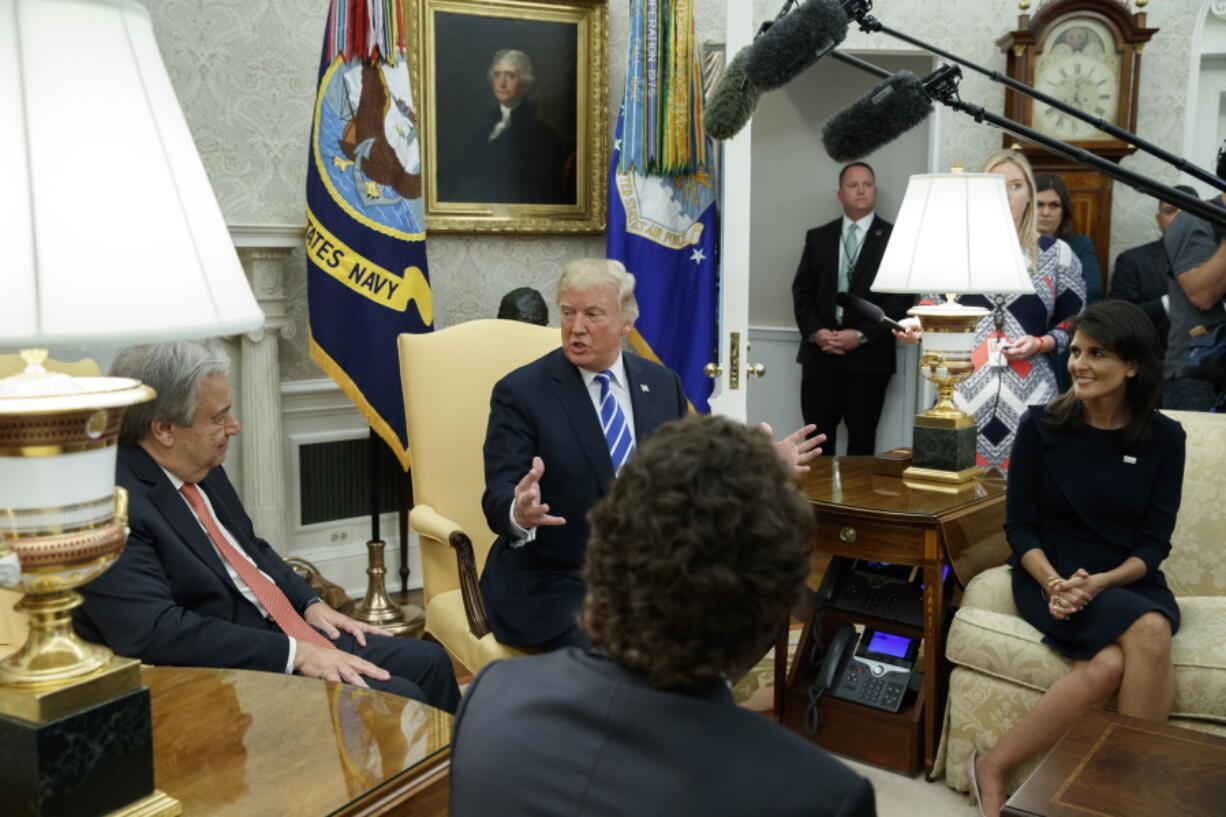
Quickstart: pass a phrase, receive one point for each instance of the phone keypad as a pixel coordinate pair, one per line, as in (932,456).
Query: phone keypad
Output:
(859,684)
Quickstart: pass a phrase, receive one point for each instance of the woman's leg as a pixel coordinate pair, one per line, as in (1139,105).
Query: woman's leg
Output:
(1147,689)
(1088,686)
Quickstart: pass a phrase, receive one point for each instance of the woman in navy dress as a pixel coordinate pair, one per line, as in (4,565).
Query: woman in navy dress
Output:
(1094,489)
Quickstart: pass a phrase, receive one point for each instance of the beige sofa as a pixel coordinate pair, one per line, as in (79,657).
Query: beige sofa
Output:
(1001,668)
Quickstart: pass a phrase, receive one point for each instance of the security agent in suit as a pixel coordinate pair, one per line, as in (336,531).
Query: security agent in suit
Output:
(547,459)
(175,597)
(1141,275)
(847,361)
(695,557)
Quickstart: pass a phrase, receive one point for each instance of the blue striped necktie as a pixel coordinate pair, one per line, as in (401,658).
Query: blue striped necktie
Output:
(617,434)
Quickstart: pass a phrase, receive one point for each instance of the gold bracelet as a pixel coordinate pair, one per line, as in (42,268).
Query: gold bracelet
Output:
(1053,580)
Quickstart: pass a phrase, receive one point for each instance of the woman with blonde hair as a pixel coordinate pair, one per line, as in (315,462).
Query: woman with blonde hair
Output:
(1016,344)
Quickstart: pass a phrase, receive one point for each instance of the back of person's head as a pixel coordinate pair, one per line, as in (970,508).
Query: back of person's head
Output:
(697,553)
(1050,181)
(1125,330)
(174,370)
(524,304)
(586,273)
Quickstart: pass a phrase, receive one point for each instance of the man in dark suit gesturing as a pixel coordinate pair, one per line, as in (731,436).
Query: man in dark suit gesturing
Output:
(847,361)
(696,556)
(559,429)
(195,586)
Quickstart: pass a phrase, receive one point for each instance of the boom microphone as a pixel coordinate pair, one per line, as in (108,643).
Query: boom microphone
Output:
(732,100)
(890,110)
(795,42)
(867,310)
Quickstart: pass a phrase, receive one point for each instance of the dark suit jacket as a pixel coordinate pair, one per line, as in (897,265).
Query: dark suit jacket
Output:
(1140,276)
(543,409)
(524,165)
(168,598)
(587,738)
(817,282)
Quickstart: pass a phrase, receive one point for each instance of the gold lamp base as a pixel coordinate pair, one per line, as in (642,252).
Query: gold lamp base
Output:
(944,436)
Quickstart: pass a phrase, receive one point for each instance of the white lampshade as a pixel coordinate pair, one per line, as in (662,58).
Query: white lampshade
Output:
(954,234)
(112,233)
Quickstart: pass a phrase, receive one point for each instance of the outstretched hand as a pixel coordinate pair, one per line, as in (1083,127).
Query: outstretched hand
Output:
(528,510)
(798,448)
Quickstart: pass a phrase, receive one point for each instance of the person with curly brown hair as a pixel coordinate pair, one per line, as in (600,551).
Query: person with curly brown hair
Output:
(695,557)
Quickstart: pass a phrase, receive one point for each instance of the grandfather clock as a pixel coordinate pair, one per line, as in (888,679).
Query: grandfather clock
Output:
(1086,53)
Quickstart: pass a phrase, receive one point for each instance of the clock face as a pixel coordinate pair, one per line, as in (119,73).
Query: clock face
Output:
(1079,67)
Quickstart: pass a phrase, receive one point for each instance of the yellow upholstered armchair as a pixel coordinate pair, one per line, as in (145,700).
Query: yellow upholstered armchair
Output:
(1000,666)
(447,378)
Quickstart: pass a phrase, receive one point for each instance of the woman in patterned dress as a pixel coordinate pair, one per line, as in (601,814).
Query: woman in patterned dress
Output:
(1029,328)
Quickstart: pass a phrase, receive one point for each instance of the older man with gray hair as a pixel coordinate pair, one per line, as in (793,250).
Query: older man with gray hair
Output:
(195,585)
(514,157)
(560,428)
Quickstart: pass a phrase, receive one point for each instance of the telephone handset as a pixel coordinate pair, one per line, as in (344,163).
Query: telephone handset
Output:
(829,665)
(841,645)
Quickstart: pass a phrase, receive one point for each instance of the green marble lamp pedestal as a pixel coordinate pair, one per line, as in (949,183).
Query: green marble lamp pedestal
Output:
(942,453)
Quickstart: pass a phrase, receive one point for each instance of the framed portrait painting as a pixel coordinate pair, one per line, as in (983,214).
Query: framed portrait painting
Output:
(513,106)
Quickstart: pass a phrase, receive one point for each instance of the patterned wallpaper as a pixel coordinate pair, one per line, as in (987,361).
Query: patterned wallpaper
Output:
(245,74)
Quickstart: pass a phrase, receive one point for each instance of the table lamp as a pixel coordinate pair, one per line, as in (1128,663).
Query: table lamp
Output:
(954,235)
(112,236)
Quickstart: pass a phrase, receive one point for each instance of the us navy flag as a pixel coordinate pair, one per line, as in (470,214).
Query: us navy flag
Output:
(365,238)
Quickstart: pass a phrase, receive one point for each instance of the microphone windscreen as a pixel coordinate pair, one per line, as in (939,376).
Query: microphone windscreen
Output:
(732,101)
(890,110)
(794,43)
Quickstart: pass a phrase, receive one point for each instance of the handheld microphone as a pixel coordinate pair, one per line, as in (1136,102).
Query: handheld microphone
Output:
(890,110)
(867,310)
(732,101)
(795,42)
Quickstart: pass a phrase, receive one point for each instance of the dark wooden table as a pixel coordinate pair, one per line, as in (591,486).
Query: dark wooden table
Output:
(239,743)
(862,515)
(1108,765)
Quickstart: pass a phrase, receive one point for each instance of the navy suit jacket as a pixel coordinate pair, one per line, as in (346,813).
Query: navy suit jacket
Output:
(817,282)
(168,598)
(544,410)
(1140,276)
(587,738)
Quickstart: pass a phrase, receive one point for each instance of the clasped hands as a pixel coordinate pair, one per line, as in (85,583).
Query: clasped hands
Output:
(797,450)
(1071,595)
(837,341)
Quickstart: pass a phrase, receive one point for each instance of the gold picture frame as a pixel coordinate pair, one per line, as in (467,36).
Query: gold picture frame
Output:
(555,132)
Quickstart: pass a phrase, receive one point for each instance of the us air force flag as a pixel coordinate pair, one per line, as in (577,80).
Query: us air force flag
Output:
(665,229)
(365,238)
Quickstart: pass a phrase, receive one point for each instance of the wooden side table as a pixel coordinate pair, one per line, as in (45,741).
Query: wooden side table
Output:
(862,515)
(1109,765)
(239,742)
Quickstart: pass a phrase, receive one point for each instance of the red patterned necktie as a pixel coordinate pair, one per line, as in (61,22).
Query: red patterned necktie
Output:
(268,594)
